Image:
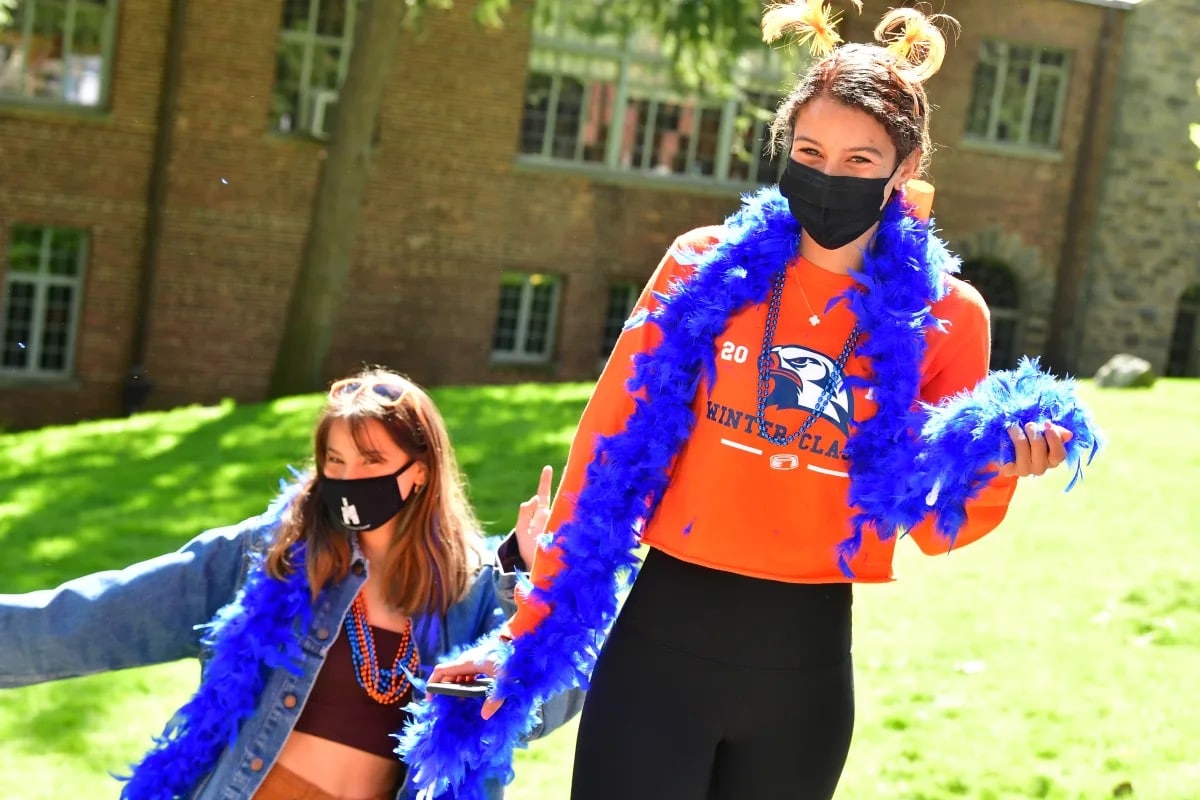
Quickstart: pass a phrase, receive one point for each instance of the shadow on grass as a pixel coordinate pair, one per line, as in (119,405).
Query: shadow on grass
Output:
(101,496)
(89,719)
(504,435)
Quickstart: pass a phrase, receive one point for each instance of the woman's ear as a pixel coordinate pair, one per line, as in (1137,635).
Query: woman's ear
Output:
(420,477)
(908,168)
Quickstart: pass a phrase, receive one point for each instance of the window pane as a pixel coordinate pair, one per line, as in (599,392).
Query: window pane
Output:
(752,159)
(1011,120)
(980,113)
(325,67)
(84,70)
(331,17)
(295,14)
(708,138)
(1053,58)
(1045,109)
(537,336)
(18,324)
(285,96)
(601,98)
(56,328)
(760,147)
(66,247)
(635,154)
(537,111)
(44,66)
(25,249)
(12,50)
(620,304)
(504,339)
(568,117)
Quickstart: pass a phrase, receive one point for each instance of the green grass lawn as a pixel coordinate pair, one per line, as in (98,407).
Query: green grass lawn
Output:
(1057,658)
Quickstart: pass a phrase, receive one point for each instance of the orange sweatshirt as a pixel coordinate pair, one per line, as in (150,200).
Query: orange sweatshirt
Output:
(736,501)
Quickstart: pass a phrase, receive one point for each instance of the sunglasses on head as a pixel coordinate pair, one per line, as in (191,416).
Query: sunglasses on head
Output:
(386,390)
(351,386)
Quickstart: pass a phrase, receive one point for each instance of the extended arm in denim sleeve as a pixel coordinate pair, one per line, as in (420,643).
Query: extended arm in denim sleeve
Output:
(143,614)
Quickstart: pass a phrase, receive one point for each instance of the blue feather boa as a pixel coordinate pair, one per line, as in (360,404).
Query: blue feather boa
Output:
(247,639)
(452,751)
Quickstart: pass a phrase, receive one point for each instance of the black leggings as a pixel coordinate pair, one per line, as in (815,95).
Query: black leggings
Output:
(714,686)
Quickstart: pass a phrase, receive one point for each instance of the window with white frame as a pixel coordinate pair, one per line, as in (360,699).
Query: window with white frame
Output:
(315,39)
(608,101)
(1018,95)
(56,51)
(621,297)
(526,317)
(42,289)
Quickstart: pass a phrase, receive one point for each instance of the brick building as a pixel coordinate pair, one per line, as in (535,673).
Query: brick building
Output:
(526,181)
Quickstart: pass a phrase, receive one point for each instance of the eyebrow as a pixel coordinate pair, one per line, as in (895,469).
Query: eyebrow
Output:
(874,151)
(333,451)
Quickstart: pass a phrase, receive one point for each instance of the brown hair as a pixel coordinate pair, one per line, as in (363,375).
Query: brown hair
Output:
(885,79)
(437,546)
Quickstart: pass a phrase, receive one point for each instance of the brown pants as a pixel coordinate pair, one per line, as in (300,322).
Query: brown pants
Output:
(283,784)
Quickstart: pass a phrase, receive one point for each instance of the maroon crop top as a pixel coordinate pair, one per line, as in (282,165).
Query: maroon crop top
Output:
(340,710)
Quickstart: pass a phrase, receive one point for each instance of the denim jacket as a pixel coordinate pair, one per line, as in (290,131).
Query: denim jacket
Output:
(147,614)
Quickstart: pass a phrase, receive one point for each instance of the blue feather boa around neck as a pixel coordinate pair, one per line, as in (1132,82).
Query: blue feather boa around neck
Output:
(906,461)
(247,639)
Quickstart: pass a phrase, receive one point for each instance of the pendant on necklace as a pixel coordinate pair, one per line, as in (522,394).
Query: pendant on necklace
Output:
(814,320)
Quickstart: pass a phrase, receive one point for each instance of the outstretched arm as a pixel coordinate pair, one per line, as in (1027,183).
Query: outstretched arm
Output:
(143,614)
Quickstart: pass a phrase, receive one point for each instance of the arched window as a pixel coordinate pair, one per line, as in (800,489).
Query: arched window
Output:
(996,282)
(1183,357)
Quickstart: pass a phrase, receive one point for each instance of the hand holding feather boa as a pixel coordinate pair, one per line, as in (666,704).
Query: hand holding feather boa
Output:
(907,461)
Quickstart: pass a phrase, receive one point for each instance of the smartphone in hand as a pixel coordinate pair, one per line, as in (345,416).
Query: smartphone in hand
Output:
(478,687)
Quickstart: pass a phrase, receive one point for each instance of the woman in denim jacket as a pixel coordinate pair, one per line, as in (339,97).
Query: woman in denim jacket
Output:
(313,620)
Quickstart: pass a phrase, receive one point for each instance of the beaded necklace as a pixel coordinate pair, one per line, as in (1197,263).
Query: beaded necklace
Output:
(384,686)
(764,369)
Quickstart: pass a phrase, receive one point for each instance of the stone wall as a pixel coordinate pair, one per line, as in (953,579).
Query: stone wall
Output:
(1146,247)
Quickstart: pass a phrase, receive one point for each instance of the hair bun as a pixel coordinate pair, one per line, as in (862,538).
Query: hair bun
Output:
(813,23)
(916,40)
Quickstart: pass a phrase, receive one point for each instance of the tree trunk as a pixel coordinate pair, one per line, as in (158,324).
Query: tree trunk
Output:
(337,206)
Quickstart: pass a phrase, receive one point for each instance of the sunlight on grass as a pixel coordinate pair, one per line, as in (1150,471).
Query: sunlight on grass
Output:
(1053,659)
(53,548)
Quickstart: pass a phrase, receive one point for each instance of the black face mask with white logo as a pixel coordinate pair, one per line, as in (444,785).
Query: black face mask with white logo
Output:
(363,504)
(832,209)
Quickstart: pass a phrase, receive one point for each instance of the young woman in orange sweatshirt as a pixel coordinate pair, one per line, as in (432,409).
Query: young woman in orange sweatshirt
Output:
(795,389)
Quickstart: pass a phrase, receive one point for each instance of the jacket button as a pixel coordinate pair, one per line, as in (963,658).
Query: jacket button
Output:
(322,633)
(358,568)
(256,764)
(289,701)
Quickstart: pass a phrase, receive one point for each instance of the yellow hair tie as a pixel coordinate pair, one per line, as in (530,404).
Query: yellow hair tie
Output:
(915,33)
(815,23)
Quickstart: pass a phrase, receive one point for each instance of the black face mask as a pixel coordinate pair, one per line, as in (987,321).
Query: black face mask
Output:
(363,504)
(832,209)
